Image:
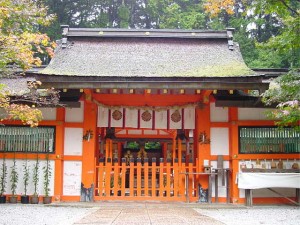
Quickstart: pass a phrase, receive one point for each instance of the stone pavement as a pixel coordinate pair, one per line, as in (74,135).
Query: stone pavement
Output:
(144,213)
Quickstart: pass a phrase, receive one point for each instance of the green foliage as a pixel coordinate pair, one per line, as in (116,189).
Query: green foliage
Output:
(22,46)
(20,40)
(14,176)
(35,175)
(177,14)
(285,92)
(47,175)
(25,175)
(124,14)
(148,145)
(3,176)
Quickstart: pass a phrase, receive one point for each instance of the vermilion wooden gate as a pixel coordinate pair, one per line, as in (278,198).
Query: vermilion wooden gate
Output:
(145,180)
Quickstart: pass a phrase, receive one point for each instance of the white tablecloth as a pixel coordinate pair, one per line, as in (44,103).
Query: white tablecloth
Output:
(268,180)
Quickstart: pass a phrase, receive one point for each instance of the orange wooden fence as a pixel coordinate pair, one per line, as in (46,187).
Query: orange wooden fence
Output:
(145,180)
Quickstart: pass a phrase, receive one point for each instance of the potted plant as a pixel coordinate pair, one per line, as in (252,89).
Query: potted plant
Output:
(3,176)
(47,175)
(25,197)
(35,178)
(14,177)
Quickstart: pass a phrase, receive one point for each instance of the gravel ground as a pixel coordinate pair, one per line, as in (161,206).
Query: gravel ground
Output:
(17,214)
(13,214)
(256,215)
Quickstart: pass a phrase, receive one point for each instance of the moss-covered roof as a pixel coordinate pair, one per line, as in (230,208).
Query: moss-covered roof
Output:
(135,56)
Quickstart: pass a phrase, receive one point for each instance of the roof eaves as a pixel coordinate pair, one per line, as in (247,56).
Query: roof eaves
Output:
(146,33)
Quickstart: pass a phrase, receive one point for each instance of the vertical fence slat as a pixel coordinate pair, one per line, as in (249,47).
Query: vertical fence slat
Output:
(131,177)
(153,177)
(146,175)
(138,174)
(161,177)
(116,177)
(190,169)
(123,177)
(168,174)
(101,180)
(176,178)
(107,176)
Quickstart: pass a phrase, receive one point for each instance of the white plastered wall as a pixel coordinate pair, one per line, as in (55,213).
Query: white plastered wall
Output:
(252,114)
(72,178)
(73,146)
(219,138)
(20,184)
(73,141)
(75,114)
(219,146)
(49,113)
(218,114)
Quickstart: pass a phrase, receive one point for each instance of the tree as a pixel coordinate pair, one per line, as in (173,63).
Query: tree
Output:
(274,25)
(285,92)
(21,47)
(276,31)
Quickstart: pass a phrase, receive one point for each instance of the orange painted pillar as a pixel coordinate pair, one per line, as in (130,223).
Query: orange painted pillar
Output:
(89,146)
(234,150)
(203,150)
(59,145)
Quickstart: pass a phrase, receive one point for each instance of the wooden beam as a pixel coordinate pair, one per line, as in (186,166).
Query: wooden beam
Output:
(206,95)
(158,85)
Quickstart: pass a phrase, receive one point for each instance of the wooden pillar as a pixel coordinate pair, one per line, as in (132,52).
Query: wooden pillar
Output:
(89,146)
(234,150)
(180,152)
(203,150)
(174,149)
(165,150)
(59,146)
(119,152)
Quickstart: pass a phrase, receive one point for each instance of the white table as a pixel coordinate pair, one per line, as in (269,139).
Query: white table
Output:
(252,180)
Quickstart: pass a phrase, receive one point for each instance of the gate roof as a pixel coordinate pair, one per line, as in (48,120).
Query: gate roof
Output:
(127,53)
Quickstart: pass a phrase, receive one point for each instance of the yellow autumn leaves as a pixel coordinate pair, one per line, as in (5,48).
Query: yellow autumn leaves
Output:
(214,7)
(20,42)
(22,46)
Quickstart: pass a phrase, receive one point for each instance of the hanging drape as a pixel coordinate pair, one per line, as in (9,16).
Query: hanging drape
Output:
(169,118)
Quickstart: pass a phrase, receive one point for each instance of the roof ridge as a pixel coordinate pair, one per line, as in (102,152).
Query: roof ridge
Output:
(146,33)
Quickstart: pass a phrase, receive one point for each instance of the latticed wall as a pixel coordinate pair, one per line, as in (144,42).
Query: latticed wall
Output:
(268,140)
(27,139)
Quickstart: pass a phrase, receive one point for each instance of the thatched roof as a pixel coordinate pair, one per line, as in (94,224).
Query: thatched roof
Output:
(147,53)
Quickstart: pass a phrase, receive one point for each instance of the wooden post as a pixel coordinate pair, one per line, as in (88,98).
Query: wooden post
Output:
(174,149)
(153,174)
(131,177)
(190,179)
(123,176)
(116,176)
(101,178)
(234,150)
(182,179)
(59,146)
(138,174)
(161,177)
(180,152)
(203,150)
(108,177)
(176,178)
(168,174)
(89,146)
(146,177)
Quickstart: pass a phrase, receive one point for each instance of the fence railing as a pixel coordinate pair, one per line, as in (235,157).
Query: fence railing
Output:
(145,180)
